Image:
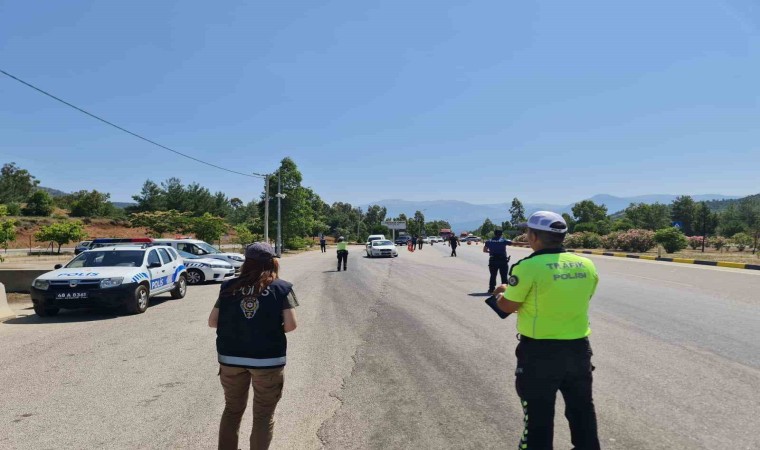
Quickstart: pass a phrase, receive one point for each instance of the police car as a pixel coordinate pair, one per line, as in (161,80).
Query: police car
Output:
(200,269)
(199,248)
(124,277)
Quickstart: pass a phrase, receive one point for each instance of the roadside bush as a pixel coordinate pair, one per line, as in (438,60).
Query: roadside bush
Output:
(671,239)
(297,243)
(742,241)
(635,240)
(521,238)
(623,224)
(40,203)
(695,242)
(13,209)
(718,242)
(583,239)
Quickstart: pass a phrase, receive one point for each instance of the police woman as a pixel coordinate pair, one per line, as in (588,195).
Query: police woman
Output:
(550,291)
(342,253)
(251,317)
(497,261)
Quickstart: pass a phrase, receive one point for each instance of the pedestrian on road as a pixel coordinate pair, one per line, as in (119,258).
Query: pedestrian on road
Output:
(342,253)
(251,316)
(498,261)
(414,242)
(419,242)
(550,291)
(323,244)
(453,242)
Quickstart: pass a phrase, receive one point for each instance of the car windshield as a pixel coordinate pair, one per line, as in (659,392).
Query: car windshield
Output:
(187,255)
(379,243)
(110,258)
(207,248)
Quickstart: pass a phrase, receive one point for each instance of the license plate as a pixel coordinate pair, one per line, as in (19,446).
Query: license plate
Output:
(70,295)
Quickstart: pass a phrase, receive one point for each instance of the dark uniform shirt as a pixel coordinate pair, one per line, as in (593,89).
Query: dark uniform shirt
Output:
(498,247)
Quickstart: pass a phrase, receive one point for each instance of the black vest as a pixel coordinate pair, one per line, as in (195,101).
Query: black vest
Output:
(249,332)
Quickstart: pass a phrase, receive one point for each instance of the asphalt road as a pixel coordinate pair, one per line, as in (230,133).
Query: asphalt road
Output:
(396,353)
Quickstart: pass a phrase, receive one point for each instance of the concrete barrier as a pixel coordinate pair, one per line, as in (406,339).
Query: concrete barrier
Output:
(5,310)
(19,280)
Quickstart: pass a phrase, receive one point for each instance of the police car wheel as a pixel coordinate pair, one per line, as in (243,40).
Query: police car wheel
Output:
(45,312)
(195,276)
(139,303)
(181,288)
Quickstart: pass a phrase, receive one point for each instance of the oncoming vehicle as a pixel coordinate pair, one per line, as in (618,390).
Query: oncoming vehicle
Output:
(402,240)
(201,269)
(382,247)
(199,248)
(471,239)
(124,277)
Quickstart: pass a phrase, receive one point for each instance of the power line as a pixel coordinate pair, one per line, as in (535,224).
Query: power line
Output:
(127,131)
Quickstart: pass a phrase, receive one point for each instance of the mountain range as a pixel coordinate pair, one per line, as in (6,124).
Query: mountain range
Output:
(464,216)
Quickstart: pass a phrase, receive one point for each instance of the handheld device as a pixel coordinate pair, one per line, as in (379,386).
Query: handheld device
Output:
(491,301)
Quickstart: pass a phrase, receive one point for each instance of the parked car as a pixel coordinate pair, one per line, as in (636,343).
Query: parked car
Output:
(124,276)
(471,239)
(382,247)
(200,270)
(82,246)
(199,248)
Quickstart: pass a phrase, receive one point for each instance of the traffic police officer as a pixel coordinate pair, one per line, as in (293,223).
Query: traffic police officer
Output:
(342,253)
(550,291)
(498,262)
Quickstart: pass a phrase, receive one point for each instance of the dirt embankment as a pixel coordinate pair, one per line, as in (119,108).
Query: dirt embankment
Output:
(26,227)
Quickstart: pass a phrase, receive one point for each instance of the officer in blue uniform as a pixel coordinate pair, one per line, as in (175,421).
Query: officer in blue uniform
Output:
(498,261)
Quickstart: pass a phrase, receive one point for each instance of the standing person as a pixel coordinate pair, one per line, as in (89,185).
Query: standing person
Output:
(498,262)
(419,242)
(342,253)
(414,242)
(323,243)
(550,291)
(251,317)
(454,242)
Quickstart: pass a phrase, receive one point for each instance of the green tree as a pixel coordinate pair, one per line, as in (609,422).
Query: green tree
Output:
(160,222)
(207,227)
(244,235)
(14,209)
(175,196)
(749,213)
(684,210)
(151,198)
(61,233)
(623,224)
(486,230)
(671,239)
(589,212)
(7,232)
(648,217)
(731,221)
(3,210)
(40,203)
(91,204)
(16,184)
(419,222)
(516,213)
(742,241)
(570,222)
(705,221)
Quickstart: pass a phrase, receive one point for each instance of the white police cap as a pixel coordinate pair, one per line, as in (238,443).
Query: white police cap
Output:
(546,221)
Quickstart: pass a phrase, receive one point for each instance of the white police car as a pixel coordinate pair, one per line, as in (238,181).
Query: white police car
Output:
(199,248)
(200,269)
(123,277)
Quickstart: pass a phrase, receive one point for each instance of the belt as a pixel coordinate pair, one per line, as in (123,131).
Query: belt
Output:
(523,338)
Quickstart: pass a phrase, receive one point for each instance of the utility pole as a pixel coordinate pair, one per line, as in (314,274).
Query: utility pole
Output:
(279,196)
(266,208)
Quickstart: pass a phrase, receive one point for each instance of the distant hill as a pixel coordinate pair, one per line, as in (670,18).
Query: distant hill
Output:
(57,193)
(464,216)
(53,192)
(720,205)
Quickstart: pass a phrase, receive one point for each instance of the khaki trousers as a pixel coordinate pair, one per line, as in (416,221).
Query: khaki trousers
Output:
(267,390)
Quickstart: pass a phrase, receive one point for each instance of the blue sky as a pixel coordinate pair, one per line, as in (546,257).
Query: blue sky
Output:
(482,101)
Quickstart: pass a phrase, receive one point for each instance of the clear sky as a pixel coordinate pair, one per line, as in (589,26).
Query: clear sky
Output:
(549,101)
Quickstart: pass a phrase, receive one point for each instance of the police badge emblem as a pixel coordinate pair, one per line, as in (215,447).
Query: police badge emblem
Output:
(513,280)
(249,305)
